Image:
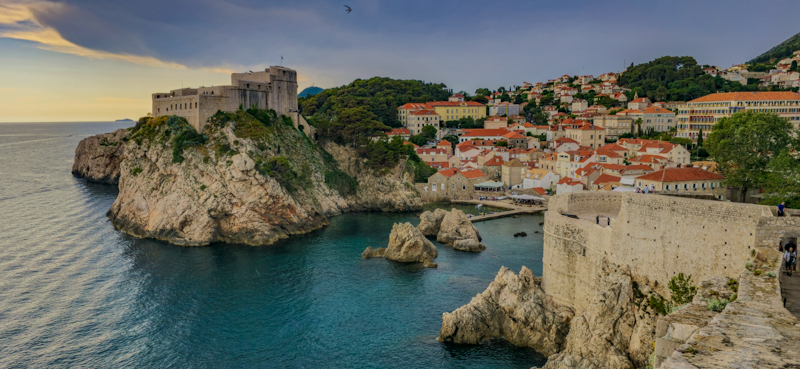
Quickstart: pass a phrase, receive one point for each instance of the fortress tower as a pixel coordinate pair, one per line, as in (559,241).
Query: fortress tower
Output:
(274,88)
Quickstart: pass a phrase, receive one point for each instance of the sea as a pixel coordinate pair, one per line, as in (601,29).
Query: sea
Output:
(76,293)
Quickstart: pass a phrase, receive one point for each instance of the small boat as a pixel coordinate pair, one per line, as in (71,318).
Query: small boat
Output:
(479,206)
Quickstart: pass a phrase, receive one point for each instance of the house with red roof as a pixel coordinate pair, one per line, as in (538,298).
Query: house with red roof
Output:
(495,122)
(656,162)
(405,110)
(483,134)
(638,102)
(569,185)
(445,145)
(467,151)
(684,181)
(585,133)
(564,144)
(539,178)
(432,154)
(674,152)
(604,182)
(492,167)
(403,133)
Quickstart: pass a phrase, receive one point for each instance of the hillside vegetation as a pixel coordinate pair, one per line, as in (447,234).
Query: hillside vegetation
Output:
(379,95)
(675,78)
(780,51)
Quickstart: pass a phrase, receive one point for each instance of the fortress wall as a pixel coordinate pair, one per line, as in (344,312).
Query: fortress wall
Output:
(593,202)
(168,106)
(657,236)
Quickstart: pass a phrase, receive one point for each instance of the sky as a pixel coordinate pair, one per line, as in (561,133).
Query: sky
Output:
(99,60)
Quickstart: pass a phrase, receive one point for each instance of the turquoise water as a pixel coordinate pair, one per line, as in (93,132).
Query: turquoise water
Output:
(76,293)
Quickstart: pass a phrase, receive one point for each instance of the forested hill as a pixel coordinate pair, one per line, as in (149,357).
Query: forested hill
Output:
(379,95)
(782,50)
(675,78)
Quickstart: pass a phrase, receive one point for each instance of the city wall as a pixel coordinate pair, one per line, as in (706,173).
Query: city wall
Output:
(657,236)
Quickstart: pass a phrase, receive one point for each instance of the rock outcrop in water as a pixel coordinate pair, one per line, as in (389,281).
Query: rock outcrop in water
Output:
(406,245)
(430,221)
(514,307)
(243,180)
(615,331)
(97,158)
(471,245)
(456,226)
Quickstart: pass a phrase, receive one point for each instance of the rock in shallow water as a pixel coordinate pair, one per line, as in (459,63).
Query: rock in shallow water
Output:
(373,253)
(430,221)
(513,307)
(469,245)
(456,226)
(407,245)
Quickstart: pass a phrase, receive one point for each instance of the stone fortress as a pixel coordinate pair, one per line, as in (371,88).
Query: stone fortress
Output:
(274,88)
(658,237)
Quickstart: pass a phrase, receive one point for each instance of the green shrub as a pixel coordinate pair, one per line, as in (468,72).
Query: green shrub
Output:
(287,121)
(223,149)
(183,137)
(202,187)
(280,168)
(717,304)
(136,171)
(659,304)
(770,274)
(757,272)
(341,182)
(682,289)
(748,264)
(733,284)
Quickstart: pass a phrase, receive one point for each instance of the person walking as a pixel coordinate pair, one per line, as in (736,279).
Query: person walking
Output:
(790,258)
(652,188)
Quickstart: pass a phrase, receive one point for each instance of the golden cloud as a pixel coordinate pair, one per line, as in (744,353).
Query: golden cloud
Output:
(21,24)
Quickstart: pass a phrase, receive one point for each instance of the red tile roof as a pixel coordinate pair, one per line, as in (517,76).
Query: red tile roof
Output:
(472,174)
(606,178)
(399,131)
(449,172)
(432,151)
(424,112)
(453,103)
(680,175)
(749,96)
(494,162)
(540,190)
(649,159)
(486,132)
(413,106)
(438,164)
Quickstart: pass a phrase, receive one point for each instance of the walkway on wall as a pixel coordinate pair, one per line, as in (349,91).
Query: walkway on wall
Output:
(512,209)
(790,290)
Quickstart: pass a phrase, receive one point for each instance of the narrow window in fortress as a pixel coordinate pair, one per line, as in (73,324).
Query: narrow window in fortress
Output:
(195,104)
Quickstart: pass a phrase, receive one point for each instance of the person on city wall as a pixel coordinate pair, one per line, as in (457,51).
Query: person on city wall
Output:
(782,209)
(790,257)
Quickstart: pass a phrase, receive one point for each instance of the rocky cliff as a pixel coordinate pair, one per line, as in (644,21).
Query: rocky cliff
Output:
(248,178)
(615,331)
(97,158)
(513,307)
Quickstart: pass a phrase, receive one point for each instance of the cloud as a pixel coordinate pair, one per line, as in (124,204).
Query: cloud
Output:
(18,21)
(119,100)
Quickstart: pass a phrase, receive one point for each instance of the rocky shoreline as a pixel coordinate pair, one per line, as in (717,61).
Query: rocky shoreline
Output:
(241,181)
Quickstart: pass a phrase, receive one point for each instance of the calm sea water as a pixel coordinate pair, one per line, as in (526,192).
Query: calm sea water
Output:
(76,293)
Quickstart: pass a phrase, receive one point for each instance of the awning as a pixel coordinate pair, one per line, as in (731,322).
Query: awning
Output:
(490,184)
(623,189)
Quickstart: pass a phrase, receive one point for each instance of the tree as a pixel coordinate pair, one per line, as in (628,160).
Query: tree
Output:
(452,139)
(519,99)
(782,182)
(744,144)
(482,92)
(534,113)
(501,144)
(480,99)
(429,132)
(699,141)
(793,68)
(505,98)
(638,124)
(418,140)
(352,126)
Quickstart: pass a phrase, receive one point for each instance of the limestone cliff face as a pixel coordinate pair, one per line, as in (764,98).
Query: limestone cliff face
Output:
(513,307)
(615,331)
(239,182)
(394,191)
(97,158)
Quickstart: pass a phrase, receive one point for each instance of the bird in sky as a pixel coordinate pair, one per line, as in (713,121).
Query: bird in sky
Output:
(349,9)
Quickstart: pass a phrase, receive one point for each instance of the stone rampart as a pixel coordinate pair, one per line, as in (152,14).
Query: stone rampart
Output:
(657,236)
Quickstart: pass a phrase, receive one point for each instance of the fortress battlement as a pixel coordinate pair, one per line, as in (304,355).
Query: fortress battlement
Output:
(274,88)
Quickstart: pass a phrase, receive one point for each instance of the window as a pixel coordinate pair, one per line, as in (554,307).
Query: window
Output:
(443,186)
(694,186)
(685,186)
(667,187)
